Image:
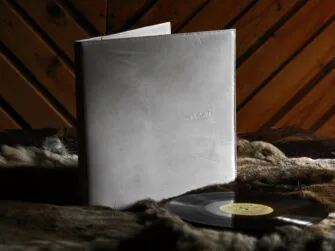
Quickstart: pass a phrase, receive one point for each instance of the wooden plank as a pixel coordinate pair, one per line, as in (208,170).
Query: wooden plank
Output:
(288,82)
(260,18)
(176,12)
(55,22)
(27,101)
(289,38)
(94,11)
(313,106)
(6,121)
(328,128)
(35,54)
(215,15)
(121,13)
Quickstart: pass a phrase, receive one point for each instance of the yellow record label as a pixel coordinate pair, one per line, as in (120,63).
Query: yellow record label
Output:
(248,209)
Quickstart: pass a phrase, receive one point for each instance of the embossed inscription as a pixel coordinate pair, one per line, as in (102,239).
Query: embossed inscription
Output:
(199,116)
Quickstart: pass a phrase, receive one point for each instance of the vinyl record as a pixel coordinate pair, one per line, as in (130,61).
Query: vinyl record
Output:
(246,211)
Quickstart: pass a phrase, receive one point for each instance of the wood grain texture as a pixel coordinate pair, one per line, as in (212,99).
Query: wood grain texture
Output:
(259,19)
(284,43)
(26,99)
(282,80)
(215,15)
(328,128)
(37,56)
(55,22)
(176,12)
(313,105)
(94,11)
(6,121)
(288,82)
(121,13)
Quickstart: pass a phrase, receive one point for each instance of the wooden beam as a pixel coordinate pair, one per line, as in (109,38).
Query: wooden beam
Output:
(288,82)
(292,36)
(122,13)
(55,22)
(37,56)
(6,121)
(216,15)
(176,12)
(94,11)
(313,106)
(27,101)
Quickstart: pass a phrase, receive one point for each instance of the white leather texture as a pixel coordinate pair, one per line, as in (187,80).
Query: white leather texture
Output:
(159,115)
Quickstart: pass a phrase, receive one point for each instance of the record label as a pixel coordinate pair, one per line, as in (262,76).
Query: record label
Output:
(247,209)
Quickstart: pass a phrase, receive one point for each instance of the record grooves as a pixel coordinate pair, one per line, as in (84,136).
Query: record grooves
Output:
(247,212)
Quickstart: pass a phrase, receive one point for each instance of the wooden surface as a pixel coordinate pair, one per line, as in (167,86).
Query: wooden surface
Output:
(6,121)
(55,22)
(260,18)
(312,106)
(123,12)
(94,11)
(215,15)
(37,58)
(285,54)
(288,82)
(169,11)
(28,101)
(281,46)
(328,127)
(40,59)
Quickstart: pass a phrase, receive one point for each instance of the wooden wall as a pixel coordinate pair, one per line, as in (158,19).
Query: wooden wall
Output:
(37,82)
(285,51)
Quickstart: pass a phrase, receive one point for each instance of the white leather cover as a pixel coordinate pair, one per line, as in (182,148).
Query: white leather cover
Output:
(158,114)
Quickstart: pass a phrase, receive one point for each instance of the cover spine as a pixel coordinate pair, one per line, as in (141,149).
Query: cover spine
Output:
(235,99)
(83,186)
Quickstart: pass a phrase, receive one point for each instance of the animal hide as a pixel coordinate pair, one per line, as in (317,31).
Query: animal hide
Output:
(148,226)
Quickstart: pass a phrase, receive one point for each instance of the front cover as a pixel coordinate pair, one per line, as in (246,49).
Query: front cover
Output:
(158,114)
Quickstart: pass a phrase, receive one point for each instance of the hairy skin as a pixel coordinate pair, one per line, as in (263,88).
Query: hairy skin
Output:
(147,225)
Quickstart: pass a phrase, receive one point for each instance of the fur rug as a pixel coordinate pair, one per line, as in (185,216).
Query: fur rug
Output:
(52,154)
(148,226)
